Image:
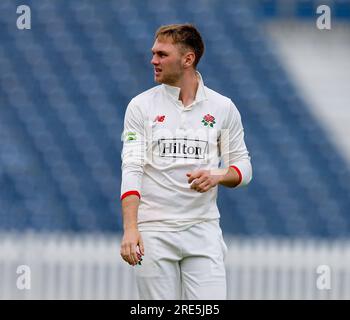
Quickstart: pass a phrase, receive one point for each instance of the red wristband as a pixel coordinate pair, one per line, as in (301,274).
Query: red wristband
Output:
(239,174)
(129,193)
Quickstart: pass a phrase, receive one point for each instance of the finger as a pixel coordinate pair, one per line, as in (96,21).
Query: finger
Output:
(194,185)
(123,256)
(189,175)
(201,180)
(123,252)
(142,247)
(203,187)
(198,181)
(190,179)
(133,255)
(127,260)
(194,175)
(127,256)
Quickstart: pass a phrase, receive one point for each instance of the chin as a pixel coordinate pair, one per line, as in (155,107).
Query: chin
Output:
(158,79)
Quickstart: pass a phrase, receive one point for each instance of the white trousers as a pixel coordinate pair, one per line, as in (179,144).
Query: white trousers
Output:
(185,264)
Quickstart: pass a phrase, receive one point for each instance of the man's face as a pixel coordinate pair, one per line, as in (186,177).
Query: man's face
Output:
(167,61)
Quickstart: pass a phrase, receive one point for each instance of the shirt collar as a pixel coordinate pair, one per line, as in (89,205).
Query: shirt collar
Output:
(174,92)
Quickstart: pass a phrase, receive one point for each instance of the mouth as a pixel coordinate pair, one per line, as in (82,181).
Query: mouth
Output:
(157,71)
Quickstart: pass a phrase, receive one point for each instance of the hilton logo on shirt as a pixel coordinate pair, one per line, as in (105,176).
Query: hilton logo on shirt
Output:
(182,148)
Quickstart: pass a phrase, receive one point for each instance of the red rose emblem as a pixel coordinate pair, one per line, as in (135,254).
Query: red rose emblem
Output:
(208,120)
(159,118)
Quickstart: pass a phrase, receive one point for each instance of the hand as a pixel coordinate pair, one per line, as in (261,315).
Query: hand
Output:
(132,248)
(203,180)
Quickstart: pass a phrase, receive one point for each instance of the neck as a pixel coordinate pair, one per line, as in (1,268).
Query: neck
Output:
(188,87)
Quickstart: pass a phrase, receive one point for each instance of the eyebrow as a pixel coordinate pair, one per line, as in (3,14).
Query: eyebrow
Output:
(158,51)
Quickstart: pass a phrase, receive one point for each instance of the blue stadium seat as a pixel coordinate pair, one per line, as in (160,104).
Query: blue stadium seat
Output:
(63,93)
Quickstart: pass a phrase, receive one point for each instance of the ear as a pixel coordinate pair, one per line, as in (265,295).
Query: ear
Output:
(189,58)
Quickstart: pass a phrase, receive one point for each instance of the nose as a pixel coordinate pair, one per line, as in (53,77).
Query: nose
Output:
(154,61)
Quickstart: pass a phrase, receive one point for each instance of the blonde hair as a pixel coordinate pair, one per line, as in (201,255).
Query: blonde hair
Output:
(186,35)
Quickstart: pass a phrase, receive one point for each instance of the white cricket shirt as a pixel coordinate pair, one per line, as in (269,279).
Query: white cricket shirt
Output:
(163,140)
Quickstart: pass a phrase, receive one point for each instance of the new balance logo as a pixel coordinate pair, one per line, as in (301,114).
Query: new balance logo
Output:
(182,148)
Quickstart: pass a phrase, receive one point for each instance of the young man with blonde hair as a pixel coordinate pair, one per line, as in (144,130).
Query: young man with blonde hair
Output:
(181,140)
